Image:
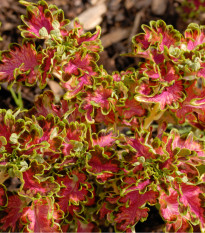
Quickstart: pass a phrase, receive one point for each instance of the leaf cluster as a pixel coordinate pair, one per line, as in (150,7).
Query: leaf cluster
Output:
(113,144)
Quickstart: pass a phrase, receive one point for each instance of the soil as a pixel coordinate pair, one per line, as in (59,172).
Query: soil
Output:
(119,21)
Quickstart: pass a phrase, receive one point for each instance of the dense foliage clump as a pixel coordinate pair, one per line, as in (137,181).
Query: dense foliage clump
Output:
(114,144)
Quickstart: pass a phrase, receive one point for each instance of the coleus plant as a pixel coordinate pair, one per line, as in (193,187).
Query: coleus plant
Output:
(192,9)
(114,144)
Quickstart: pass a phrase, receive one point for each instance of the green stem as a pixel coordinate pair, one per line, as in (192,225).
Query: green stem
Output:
(155,114)
(17,99)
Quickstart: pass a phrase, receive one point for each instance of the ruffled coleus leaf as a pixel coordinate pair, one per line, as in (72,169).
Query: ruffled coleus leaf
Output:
(9,128)
(127,111)
(75,190)
(185,150)
(47,64)
(3,195)
(15,209)
(103,138)
(132,108)
(165,73)
(194,36)
(78,72)
(74,134)
(141,147)
(42,216)
(42,22)
(51,128)
(87,40)
(75,131)
(45,104)
(132,207)
(20,63)
(108,119)
(38,22)
(193,107)
(35,183)
(190,9)
(182,209)
(41,135)
(164,86)
(192,198)
(157,35)
(170,211)
(168,96)
(100,98)
(104,165)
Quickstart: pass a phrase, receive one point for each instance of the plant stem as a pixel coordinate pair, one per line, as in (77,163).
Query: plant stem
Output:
(155,114)
(17,99)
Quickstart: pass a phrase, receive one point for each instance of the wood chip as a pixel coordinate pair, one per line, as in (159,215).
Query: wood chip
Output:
(92,16)
(115,36)
(143,3)
(56,88)
(114,5)
(94,2)
(7,26)
(159,6)
(129,4)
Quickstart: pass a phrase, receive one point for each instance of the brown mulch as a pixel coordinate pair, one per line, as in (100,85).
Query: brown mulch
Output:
(119,20)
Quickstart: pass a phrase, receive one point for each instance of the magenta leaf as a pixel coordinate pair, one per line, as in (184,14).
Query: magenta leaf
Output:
(87,40)
(8,127)
(20,64)
(141,148)
(3,195)
(14,211)
(100,98)
(74,133)
(103,139)
(44,105)
(42,136)
(102,164)
(182,209)
(190,144)
(170,211)
(192,198)
(78,72)
(74,191)
(42,216)
(128,215)
(191,9)
(34,184)
(132,108)
(38,22)
(164,85)
(46,66)
(194,36)
(158,34)
(192,107)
